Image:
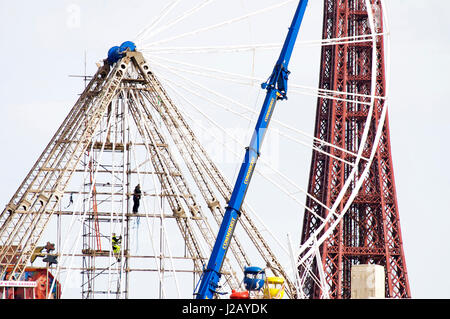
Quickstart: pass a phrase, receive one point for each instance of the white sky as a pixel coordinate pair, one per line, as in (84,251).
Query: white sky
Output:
(41,44)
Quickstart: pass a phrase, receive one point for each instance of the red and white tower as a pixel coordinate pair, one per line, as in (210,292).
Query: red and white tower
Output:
(370,232)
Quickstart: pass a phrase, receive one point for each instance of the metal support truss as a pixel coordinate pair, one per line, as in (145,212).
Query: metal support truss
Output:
(370,230)
(112,139)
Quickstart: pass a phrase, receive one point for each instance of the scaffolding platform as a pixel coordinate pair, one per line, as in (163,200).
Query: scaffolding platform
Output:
(102,253)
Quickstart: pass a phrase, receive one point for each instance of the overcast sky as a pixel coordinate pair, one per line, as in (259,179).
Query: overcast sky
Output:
(44,42)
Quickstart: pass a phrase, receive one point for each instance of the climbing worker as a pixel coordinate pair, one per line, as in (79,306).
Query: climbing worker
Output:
(136,198)
(116,241)
(70,200)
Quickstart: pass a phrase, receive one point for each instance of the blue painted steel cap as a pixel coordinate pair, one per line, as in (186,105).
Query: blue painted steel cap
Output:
(114,55)
(128,45)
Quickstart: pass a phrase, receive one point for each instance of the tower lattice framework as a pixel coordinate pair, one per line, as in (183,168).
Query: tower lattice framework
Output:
(370,231)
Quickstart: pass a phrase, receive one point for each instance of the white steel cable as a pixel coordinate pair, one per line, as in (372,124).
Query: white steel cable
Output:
(304,252)
(166,169)
(211,49)
(343,92)
(387,47)
(247,205)
(111,221)
(303,249)
(145,207)
(350,199)
(278,122)
(180,18)
(355,101)
(152,244)
(294,268)
(125,159)
(83,217)
(249,118)
(161,216)
(237,155)
(163,14)
(268,46)
(151,233)
(258,79)
(264,161)
(340,41)
(320,94)
(221,24)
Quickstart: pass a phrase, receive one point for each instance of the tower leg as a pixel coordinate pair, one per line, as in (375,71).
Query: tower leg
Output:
(370,231)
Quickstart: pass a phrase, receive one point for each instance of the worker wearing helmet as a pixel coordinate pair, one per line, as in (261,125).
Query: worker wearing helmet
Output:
(116,241)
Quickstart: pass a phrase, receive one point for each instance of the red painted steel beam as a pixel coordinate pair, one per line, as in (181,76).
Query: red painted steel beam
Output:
(370,231)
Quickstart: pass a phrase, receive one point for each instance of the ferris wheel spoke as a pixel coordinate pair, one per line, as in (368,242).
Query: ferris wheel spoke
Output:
(180,18)
(332,212)
(193,83)
(252,47)
(318,92)
(204,68)
(202,96)
(335,95)
(149,228)
(211,49)
(75,244)
(164,13)
(247,205)
(329,97)
(303,251)
(363,97)
(220,25)
(340,41)
(177,71)
(203,88)
(226,146)
(271,180)
(315,93)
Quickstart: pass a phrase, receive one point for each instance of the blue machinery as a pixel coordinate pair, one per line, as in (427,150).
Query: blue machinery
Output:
(276,87)
(116,53)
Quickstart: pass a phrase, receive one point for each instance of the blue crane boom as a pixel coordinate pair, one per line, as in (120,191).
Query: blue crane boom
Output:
(276,88)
